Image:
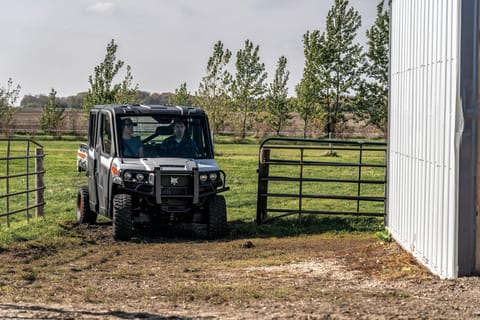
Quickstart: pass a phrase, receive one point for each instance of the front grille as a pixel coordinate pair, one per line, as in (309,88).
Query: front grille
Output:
(175,191)
(175,181)
(172,184)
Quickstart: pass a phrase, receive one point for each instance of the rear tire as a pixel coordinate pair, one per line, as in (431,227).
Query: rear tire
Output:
(217,217)
(84,213)
(122,217)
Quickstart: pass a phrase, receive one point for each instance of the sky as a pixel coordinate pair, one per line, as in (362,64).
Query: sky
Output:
(56,44)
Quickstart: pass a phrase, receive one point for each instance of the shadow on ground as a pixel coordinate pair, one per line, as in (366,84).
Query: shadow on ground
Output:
(284,227)
(12,311)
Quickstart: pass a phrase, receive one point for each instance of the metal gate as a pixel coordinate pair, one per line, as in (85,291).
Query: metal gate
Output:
(22,184)
(311,176)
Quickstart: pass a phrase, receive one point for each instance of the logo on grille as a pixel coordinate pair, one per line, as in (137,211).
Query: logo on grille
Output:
(174,181)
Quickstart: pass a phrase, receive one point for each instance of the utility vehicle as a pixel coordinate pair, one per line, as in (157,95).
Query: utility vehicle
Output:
(156,187)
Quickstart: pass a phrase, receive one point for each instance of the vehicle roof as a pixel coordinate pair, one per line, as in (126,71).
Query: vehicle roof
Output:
(138,109)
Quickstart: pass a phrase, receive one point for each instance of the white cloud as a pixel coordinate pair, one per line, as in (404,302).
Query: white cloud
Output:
(102,7)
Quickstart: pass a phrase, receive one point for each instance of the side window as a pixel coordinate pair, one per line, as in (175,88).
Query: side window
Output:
(106,135)
(92,126)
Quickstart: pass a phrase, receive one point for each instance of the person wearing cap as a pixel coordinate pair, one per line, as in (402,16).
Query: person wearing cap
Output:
(132,145)
(178,144)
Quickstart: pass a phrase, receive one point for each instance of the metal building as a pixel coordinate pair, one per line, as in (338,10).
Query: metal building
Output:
(433,135)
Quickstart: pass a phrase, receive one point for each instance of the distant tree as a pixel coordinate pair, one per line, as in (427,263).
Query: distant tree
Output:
(181,97)
(249,84)
(33,101)
(38,101)
(339,64)
(102,90)
(372,98)
(142,95)
(52,116)
(277,104)
(75,101)
(8,97)
(155,98)
(213,90)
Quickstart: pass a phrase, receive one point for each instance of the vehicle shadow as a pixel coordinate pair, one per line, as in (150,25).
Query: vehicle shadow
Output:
(239,229)
(13,311)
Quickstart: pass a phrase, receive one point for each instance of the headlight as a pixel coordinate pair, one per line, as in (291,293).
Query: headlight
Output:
(213,176)
(139,177)
(203,177)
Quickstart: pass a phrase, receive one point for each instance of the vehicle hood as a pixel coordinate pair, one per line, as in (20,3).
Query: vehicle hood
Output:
(167,164)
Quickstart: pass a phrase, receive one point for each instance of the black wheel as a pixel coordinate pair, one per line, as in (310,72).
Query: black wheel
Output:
(84,214)
(217,217)
(122,217)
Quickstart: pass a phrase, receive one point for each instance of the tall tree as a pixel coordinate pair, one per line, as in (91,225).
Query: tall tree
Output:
(277,103)
(213,92)
(309,90)
(181,97)
(102,90)
(372,98)
(339,62)
(52,116)
(249,84)
(8,97)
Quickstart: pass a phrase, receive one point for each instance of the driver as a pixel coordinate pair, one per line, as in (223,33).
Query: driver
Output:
(132,145)
(178,144)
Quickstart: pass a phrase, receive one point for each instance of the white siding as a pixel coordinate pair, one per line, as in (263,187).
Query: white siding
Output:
(422,189)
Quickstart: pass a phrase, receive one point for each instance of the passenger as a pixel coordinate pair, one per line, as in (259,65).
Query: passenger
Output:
(132,145)
(178,144)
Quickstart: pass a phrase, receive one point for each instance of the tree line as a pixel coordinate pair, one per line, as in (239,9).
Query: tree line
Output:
(340,79)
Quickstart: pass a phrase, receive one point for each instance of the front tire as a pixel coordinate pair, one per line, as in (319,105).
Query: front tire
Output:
(217,217)
(84,213)
(122,217)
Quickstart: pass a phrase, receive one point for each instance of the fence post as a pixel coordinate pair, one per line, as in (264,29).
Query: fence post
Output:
(27,180)
(39,181)
(7,186)
(360,161)
(263,172)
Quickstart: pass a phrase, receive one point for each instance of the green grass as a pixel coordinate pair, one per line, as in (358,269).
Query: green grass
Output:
(239,161)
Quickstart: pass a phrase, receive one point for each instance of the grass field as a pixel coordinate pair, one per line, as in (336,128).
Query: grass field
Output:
(239,161)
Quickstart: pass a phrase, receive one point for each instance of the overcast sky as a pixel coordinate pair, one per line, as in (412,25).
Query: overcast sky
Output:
(57,43)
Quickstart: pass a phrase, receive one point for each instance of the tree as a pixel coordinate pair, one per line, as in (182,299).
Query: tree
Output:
(8,97)
(181,97)
(372,98)
(309,89)
(248,85)
(339,62)
(52,116)
(277,104)
(102,90)
(127,93)
(212,93)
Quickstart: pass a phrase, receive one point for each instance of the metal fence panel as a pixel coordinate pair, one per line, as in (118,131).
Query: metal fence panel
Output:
(21,178)
(315,176)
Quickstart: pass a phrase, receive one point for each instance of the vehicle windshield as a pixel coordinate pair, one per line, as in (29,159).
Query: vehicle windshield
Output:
(161,136)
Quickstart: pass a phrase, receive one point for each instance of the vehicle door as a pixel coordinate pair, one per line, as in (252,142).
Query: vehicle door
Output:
(92,160)
(105,152)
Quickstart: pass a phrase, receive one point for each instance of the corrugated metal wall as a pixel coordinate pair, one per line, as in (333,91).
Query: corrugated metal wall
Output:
(423,161)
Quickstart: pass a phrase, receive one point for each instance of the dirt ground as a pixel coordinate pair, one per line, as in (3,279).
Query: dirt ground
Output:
(307,277)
